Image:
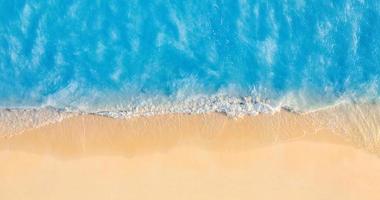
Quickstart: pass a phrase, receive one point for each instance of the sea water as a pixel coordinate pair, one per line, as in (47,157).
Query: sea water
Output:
(124,58)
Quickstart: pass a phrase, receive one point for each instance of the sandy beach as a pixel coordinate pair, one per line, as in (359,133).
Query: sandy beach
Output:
(209,156)
(189,100)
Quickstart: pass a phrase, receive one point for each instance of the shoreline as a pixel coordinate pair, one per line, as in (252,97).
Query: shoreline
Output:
(206,156)
(357,124)
(15,121)
(88,134)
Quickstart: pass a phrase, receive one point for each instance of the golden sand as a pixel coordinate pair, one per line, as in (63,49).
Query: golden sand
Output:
(280,156)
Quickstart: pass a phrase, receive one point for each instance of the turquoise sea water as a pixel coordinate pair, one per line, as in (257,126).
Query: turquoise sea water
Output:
(159,56)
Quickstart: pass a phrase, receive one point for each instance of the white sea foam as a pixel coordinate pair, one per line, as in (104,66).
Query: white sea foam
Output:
(268,50)
(25,18)
(229,105)
(15,121)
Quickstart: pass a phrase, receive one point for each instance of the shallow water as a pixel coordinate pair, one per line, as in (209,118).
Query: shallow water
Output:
(120,55)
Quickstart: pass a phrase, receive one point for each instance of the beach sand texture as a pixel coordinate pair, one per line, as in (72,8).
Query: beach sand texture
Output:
(319,155)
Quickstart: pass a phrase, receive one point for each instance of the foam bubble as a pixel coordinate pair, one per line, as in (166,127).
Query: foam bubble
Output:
(15,121)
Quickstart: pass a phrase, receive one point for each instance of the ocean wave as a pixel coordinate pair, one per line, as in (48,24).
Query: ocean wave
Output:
(229,105)
(17,120)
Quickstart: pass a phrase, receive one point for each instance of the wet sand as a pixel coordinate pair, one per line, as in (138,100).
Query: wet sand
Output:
(211,156)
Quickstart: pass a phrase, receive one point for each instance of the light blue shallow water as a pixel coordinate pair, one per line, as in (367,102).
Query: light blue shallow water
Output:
(106,55)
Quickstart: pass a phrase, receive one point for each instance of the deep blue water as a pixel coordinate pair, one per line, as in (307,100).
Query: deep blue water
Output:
(102,54)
